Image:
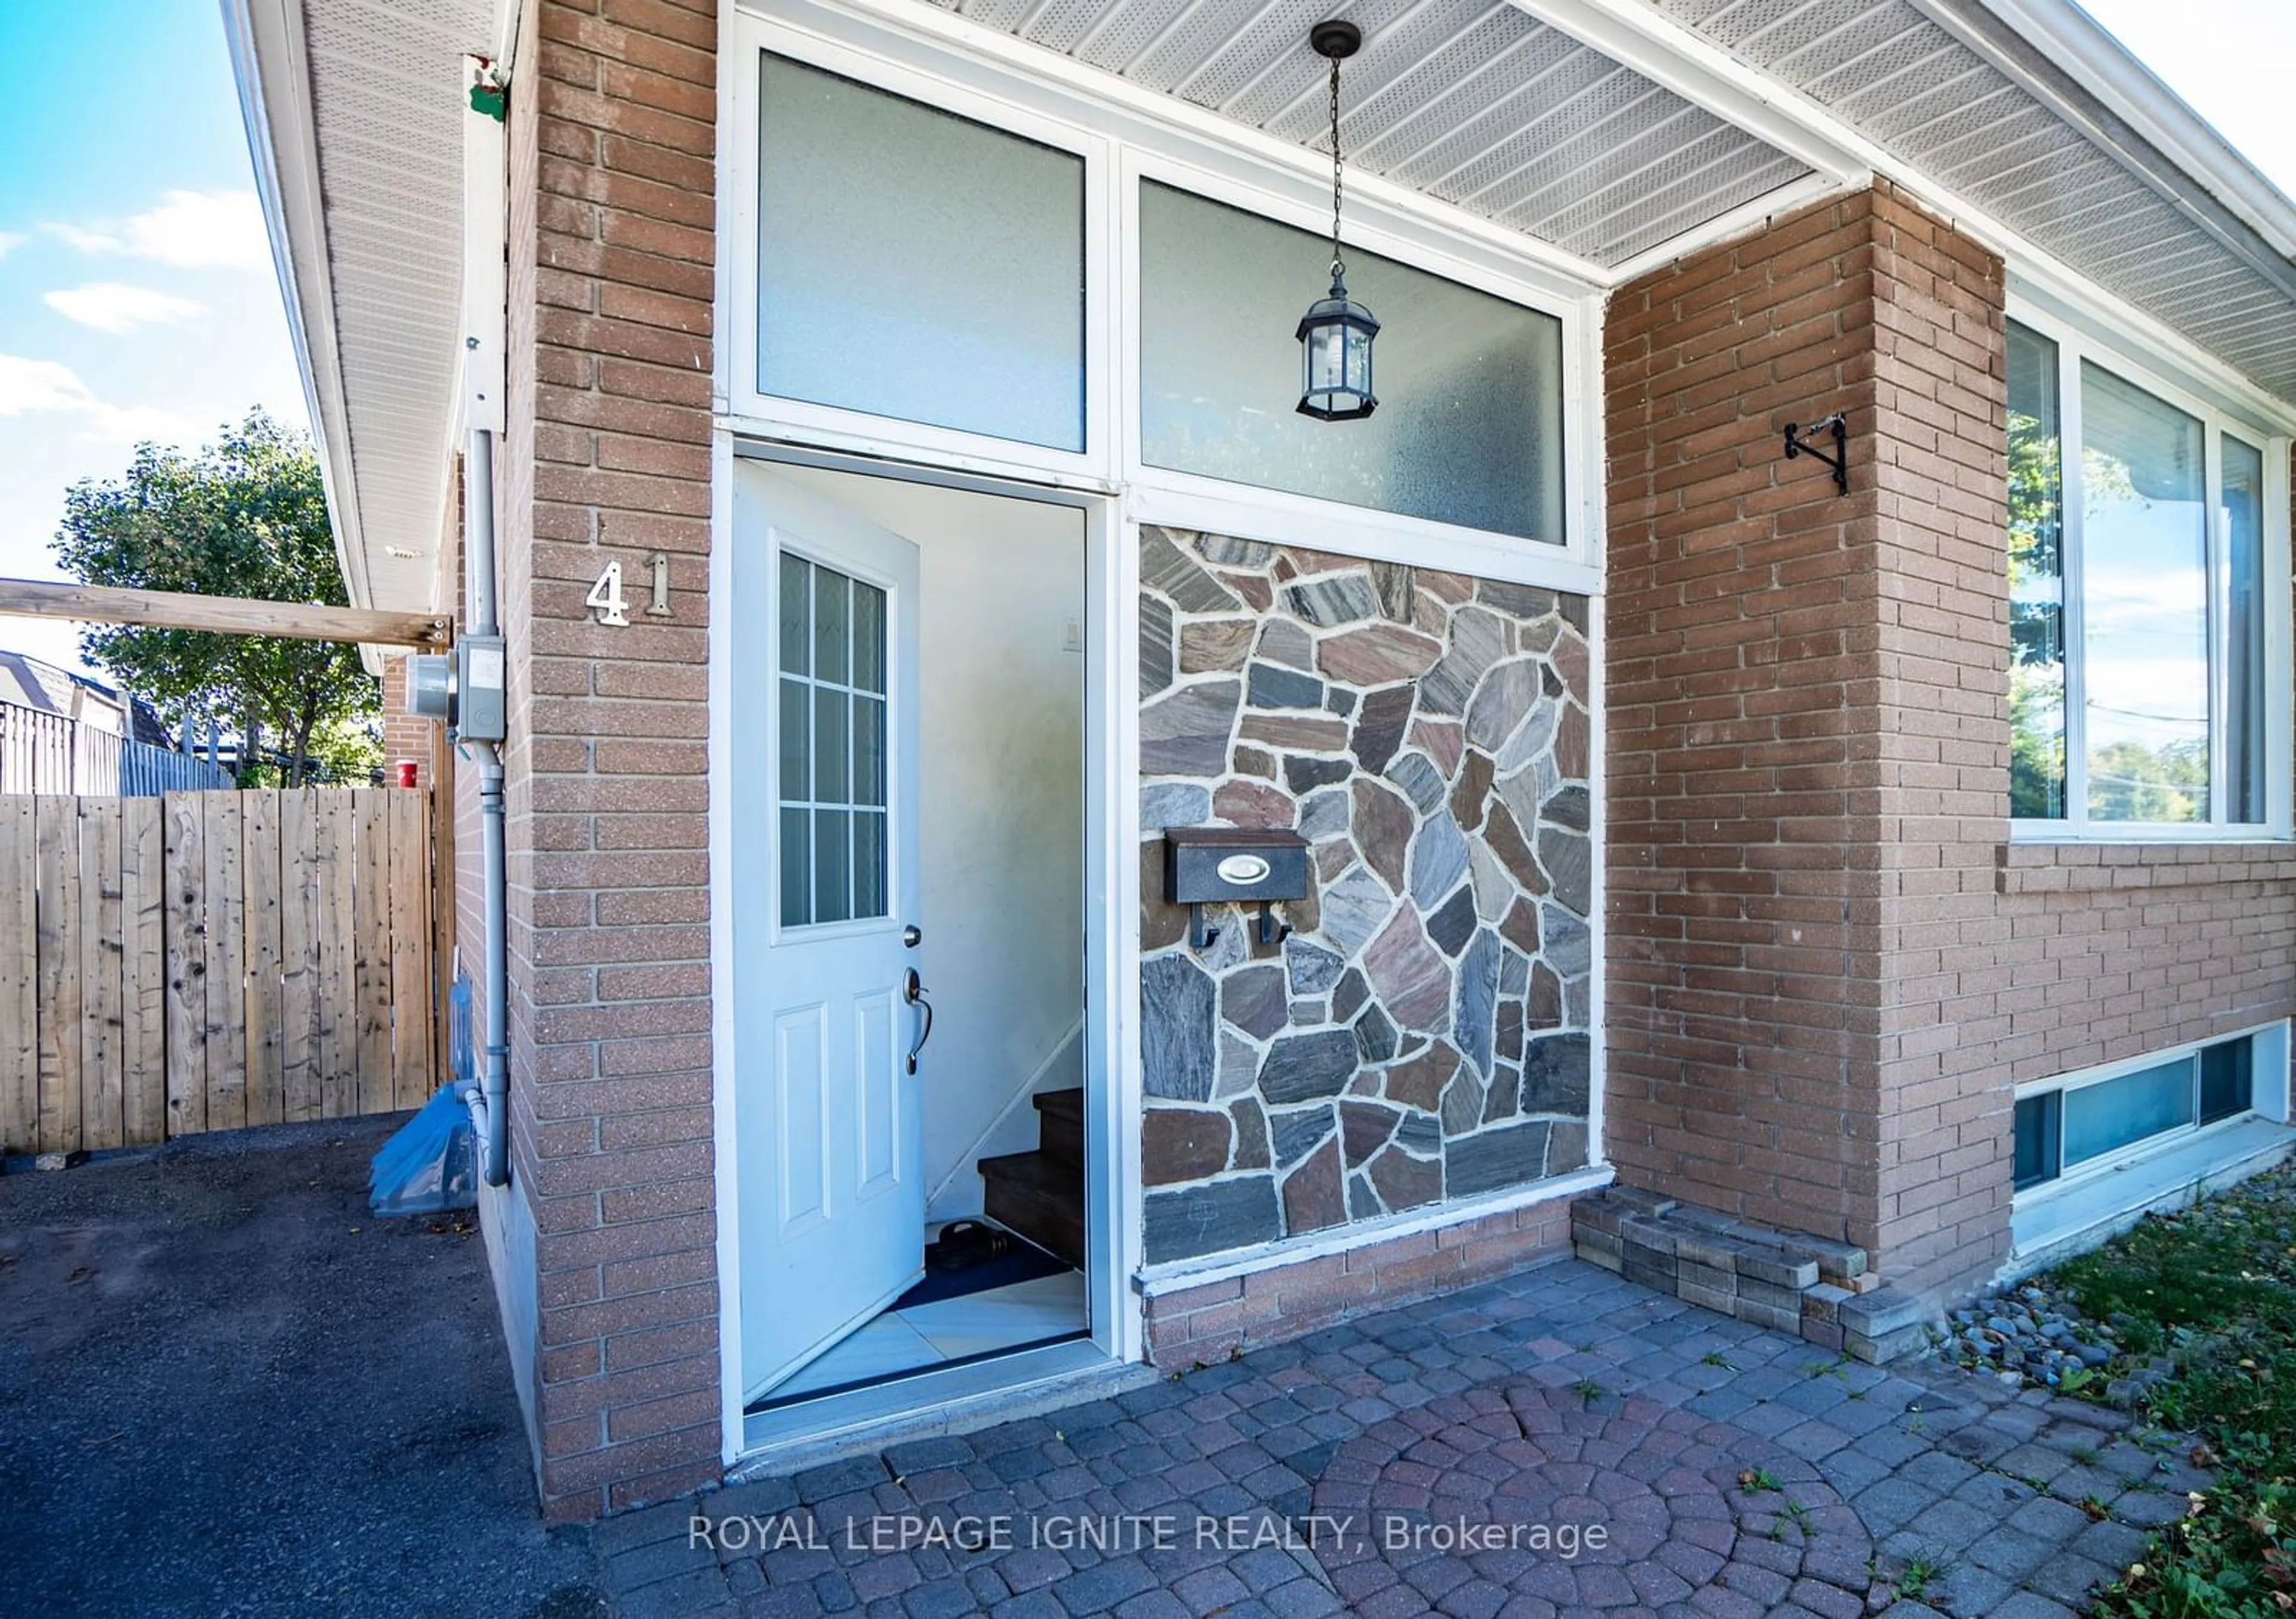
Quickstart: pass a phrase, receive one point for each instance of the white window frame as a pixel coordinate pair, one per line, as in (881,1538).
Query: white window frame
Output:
(1126,136)
(2076,343)
(838,427)
(2268,1100)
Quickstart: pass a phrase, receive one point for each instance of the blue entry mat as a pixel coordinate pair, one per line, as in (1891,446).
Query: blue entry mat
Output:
(1022,1261)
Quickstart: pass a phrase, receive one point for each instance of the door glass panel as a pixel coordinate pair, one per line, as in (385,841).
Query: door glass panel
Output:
(912,263)
(832,625)
(868,638)
(832,866)
(868,751)
(2144,604)
(797,740)
(832,748)
(868,863)
(796,614)
(831,731)
(797,868)
(2244,702)
(2100,1119)
(1469,429)
(2037,582)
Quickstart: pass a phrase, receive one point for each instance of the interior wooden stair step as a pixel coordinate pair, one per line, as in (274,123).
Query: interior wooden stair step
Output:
(1040,1194)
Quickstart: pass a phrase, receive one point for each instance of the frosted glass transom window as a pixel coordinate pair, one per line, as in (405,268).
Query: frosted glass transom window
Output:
(831,764)
(1469,429)
(915,264)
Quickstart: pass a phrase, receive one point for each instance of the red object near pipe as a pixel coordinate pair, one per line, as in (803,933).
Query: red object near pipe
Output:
(406,770)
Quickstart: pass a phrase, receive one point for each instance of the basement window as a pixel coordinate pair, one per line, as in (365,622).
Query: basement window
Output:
(2068,1126)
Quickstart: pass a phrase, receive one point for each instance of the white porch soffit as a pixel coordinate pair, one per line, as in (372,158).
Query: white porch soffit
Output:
(355,113)
(1473,101)
(1549,117)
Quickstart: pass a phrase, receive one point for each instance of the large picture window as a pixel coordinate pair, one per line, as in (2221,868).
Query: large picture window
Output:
(2137,604)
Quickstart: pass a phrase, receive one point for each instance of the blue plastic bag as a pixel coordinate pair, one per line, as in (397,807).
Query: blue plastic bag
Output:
(429,1164)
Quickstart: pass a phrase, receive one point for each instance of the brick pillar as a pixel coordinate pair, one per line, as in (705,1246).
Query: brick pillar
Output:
(607,457)
(1807,734)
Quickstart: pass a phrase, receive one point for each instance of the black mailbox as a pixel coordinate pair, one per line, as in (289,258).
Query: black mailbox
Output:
(1225,865)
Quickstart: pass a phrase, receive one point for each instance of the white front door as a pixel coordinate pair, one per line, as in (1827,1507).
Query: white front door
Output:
(829,1143)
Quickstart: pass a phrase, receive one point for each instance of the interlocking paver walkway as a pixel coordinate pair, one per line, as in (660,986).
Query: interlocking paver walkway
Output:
(1456,1457)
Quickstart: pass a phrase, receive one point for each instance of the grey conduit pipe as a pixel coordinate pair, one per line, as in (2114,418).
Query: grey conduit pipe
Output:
(491,1106)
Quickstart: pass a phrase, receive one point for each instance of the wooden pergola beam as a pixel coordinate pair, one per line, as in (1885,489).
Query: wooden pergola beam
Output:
(222,614)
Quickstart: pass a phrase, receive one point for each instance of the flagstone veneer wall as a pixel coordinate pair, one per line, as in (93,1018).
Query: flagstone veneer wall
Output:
(1423,1033)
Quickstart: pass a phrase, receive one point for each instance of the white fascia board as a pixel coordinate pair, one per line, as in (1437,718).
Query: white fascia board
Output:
(2087,78)
(272,66)
(2132,91)
(1637,34)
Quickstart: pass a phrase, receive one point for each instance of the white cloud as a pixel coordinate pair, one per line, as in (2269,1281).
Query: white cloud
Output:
(9,242)
(29,386)
(112,306)
(86,240)
(192,229)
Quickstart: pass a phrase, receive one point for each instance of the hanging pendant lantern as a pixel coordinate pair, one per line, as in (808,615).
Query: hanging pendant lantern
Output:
(1336,331)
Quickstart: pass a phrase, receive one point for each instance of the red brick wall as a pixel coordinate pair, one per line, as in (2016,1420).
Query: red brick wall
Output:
(404,736)
(1190,1326)
(1808,747)
(1939,449)
(607,457)
(2114,950)
(1744,672)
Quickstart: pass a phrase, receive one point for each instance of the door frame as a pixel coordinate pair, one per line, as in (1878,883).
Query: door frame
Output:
(1113,1099)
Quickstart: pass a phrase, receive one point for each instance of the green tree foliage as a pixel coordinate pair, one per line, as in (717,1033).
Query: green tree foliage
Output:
(2130,782)
(348,752)
(245,517)
(2036,617)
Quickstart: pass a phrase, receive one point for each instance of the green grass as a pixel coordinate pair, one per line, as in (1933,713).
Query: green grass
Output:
(2214,1288)
(1920,1575)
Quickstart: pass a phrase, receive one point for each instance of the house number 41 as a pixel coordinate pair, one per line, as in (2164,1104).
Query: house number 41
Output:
(606,597)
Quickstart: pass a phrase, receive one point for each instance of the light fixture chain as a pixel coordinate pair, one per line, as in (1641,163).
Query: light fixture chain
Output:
(1338,267)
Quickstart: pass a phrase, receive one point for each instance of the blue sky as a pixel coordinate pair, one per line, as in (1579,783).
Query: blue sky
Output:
(136,294)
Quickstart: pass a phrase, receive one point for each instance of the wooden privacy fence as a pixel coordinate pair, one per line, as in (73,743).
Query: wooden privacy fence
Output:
(46,753)
(209,960)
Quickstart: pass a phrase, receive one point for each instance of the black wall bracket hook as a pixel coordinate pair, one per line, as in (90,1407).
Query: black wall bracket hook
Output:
(1801,441)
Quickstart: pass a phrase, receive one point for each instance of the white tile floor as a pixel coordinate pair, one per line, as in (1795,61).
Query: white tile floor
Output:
(926,1335)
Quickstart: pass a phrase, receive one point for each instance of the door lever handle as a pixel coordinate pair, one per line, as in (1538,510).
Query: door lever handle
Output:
(914,992)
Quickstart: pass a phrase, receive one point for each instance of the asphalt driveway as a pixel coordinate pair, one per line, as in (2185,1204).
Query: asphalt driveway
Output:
(225,1389)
